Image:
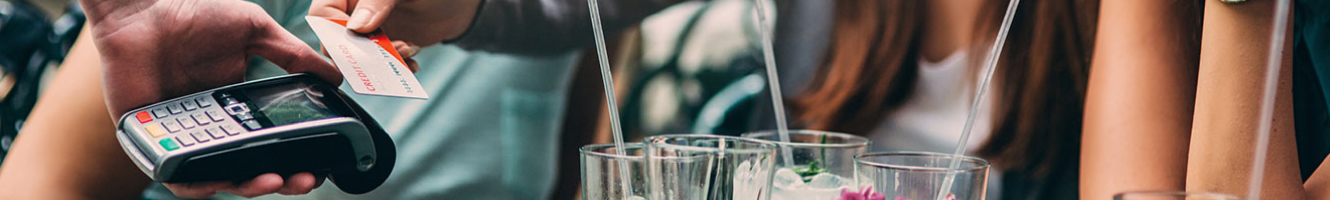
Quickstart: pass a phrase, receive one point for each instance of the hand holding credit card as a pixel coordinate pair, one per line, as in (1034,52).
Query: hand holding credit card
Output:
(370,63)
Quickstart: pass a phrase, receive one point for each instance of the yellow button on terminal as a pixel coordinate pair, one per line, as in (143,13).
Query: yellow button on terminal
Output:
(156,130)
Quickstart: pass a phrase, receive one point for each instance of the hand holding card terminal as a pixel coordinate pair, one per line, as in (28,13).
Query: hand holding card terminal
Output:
(287,124)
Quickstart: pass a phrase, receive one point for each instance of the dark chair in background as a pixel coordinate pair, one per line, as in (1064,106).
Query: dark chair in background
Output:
(32,44)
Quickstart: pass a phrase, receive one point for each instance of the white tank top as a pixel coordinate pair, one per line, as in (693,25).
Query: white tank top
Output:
(934,115)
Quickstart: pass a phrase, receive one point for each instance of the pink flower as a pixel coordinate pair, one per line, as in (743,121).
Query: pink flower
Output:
(865,194)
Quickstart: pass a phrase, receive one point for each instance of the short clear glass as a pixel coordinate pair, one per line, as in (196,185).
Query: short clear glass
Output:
(1172,195)
(919,176)
(711,167)
(601,175)
(822,163)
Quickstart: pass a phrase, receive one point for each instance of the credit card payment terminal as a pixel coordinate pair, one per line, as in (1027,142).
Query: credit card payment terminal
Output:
(285,125)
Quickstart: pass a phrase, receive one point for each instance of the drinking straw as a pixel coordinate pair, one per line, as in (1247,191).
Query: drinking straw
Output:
(777,102)
(608,81)
(1273,63)
(990,64)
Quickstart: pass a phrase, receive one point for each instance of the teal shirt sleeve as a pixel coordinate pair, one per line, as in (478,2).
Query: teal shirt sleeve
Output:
(549,27)
(1311,25)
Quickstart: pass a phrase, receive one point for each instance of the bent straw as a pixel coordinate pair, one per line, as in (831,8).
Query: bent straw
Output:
(608,81)
(1278,29)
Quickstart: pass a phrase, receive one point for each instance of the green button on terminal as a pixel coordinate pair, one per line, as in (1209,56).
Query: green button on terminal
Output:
(168,144)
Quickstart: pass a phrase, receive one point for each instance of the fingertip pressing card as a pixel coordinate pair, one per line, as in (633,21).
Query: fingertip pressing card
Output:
(369,62)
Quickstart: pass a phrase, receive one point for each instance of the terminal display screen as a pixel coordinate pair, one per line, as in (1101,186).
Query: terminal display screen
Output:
(289,103)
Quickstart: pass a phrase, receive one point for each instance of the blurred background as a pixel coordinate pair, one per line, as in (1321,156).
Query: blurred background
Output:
(899,72)
(695,67)
(35,37)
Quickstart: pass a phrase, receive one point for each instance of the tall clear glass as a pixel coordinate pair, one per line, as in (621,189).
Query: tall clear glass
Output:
(709,167)
(601,177)
(919,176)
(1172,195)
(822,167)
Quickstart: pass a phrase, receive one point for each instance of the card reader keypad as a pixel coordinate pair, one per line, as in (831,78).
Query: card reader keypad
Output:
(185,140)
(175,108)
(200,136)
(172,125)
(192,122)
(215,115)
(190,105)
(159,112)
(203,102)
(187,122)
(155,130)
(200,118)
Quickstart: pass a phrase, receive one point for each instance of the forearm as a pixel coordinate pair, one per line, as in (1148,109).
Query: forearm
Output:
(1228,102)
(549,27)
(1318,185)
(1139,103)
(67,149)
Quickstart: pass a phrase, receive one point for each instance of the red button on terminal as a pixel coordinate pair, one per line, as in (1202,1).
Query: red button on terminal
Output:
(143,117)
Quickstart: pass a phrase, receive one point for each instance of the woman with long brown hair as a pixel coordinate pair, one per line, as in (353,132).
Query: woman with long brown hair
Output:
(902,73)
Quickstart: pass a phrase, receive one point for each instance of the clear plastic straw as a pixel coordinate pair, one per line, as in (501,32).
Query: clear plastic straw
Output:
(608,80)
(1273,63)
(990,64)
(782,129)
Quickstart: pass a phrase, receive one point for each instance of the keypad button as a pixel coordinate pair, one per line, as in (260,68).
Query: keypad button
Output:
(200,118)
(159,112)
(252,125)
(187,122)
(216,134)
(185,140)
(203,102)
(168,144)
(244,116)
(231,129)
(216,116)
(237,108)
(200,136)
(190,105)
(214,129)
(155,130)
(171,125)
(175,108)
(143,117)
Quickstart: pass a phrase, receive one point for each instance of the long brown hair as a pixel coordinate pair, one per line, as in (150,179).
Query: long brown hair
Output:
(871,67)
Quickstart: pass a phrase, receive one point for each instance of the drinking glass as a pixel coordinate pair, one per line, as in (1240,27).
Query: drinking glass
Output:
(601,175)
(1172,195)
(821,163)
(709,167)
(919,176)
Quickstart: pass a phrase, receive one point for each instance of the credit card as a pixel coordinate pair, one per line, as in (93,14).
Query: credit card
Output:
(368,62)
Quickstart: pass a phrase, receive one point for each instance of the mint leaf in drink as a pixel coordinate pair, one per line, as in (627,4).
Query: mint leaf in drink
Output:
(812,170)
